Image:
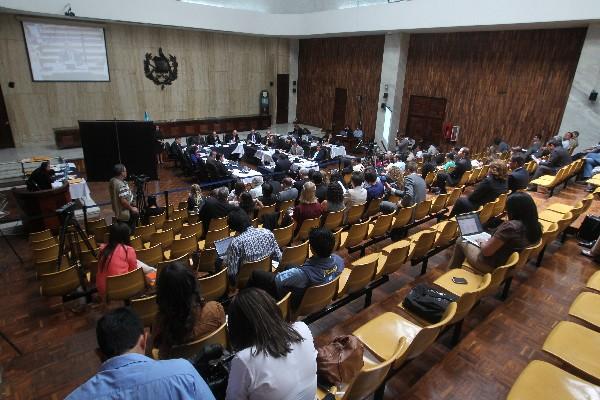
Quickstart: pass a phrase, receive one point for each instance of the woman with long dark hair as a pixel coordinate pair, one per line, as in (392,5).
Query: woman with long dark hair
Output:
(116,257)
(182,314)
(521,230)
(275,360)
(335,198)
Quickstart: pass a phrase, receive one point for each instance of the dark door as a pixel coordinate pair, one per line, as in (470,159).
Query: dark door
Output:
(339,109)
(283,95)
(426,119)
(6,138)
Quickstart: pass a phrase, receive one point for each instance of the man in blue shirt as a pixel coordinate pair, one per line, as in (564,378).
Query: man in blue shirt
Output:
(126,373)
(373,185)
(321,268)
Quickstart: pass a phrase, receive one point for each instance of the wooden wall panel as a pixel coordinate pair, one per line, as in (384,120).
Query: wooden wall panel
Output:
(220,75)
(353,63)
(511,84)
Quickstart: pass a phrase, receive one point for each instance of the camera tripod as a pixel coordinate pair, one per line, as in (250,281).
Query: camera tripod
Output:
(71,237)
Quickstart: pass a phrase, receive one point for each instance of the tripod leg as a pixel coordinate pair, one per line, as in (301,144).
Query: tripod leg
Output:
(11,246)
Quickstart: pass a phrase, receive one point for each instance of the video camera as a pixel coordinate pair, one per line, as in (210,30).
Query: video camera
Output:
(139,179)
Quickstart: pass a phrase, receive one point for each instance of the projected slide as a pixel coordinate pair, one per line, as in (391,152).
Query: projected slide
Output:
(66,52)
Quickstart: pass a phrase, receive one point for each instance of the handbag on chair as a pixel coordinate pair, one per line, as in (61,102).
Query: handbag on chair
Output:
(340,361)
(428,303)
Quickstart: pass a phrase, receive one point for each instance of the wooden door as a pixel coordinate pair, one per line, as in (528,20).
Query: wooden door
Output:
(283,96)
(6,138)
(339,109)
(426,119)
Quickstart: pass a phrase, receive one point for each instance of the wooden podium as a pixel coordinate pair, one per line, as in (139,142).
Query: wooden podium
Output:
(38,209)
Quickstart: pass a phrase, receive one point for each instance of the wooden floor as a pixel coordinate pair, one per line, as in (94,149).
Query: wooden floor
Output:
(498,340)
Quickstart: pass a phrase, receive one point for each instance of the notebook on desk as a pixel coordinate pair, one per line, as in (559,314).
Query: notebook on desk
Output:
(471,229)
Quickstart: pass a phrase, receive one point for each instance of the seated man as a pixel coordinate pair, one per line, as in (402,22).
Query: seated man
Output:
(253,137)
(373,185)
(462,165)
(251,244)
(320,154)
(215,206)
(296,149)
(127,373)
(322,267)
(415,191)
(518,179)
(357,194)
(358,133)
(559,157)
(232,137)
(282,167)
(213,139)
(41,178)
(288,191)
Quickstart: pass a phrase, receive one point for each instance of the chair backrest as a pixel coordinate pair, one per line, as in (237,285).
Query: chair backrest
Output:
(355,213)
(403,216)
(284,205)
(42,235)
(48,266)
(284,235)
(46,253)
(214,287)
(101,232)
(438,203)
(429,178)
(373,207)
(217,224)
(565,221)
(499,205)
(188,350)
(207,260)
(585,204)
(294,255)
(173,224)
(157,220)
(334,220)
(164,237)
(382,225)
(183,246)
(213,236)
(428,334)
(196,229)
(265,210)
(474,175)
(453,196)
(394,256)
(184,259)
(316,298)
(465,303)
(136,243)
(485,213)
(284,306)
(500,273)
(264,264)
(182,205)
(422,244)
(42,244)
(125,286)
(92,225)
(370,378)
(446,231)
(151,256)
(338,239)
(59,283)
(146,309)
(145,231)
(306,227)
(356,234)
(180,213)
(422,209)
(362,272)
(525,254)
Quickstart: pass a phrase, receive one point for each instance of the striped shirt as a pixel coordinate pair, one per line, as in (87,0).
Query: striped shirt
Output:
(251,245)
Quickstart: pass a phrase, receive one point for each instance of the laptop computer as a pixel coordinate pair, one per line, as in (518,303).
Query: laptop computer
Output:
(471,229)
(222,246)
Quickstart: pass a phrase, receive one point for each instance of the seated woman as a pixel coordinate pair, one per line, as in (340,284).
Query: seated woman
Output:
(450,164)
(335,198)
(116,257)
(182,314)
(267,198)
(487,190)
(152,209)
(234,195)
(195,200)
(248,204)
(521,230)
(275,360)
(308,206)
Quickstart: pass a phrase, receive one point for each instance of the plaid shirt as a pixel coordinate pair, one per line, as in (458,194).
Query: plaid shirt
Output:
(251,245)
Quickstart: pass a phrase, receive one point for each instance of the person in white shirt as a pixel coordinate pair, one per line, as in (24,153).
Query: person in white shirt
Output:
(256,190)
(357,194)
(397,162)
(275,360)
(357,165)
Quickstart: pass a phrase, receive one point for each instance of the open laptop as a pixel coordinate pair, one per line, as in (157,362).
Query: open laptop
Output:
(471,229)
(222,246)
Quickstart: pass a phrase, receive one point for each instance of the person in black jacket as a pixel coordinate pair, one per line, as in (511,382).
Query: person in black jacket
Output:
(282,167)
(559,157)
(213,139)
(232,137)
(428,165)
(253,137)
(321,191)
(215,206)
(463,164)
(486,191)
(41,178)
(518,179)
(320,154)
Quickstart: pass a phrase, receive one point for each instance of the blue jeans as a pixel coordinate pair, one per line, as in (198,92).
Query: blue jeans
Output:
(591,160)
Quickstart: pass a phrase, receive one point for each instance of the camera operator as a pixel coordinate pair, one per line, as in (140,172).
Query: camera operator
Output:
(121,197)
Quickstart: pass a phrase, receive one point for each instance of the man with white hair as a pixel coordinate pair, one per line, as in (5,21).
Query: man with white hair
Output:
(296,149)
(256,190)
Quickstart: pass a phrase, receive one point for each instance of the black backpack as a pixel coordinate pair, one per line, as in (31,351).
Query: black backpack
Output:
(589,229)
(428,303)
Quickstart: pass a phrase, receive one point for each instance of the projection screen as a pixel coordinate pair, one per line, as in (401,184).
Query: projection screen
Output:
(66,52)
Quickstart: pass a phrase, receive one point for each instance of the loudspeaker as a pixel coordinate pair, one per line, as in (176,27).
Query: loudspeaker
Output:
(593,96)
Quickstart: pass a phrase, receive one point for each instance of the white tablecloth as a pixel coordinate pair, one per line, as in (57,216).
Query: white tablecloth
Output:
(245,177)
(79,190)
(239,149)
(264,155)
(308,164)
(337,151)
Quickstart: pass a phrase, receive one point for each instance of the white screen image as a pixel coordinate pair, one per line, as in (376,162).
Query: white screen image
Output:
(66,52)
(387,121)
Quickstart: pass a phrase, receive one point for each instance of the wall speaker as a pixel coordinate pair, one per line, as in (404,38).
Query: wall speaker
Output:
(294,83)
(593,96)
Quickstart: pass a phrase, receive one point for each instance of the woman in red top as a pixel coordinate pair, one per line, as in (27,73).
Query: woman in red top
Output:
(309,206)
(116,257)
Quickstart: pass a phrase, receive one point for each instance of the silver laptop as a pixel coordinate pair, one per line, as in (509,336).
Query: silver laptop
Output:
(222,246)
(471,229)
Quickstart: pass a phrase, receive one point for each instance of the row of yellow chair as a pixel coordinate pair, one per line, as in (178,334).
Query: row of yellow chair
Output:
(562,176)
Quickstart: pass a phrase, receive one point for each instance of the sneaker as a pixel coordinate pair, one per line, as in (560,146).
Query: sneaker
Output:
(587,253)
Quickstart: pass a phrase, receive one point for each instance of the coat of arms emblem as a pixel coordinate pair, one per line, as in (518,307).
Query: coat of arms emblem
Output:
(160,69)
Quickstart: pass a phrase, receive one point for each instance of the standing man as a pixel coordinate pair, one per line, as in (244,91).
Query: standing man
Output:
(121,198)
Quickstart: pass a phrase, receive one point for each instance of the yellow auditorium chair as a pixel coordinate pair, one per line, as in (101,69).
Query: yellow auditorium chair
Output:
(355,213)
(354,236)
(125,286)
(146,309)
(41,235)
(151,256)
(422,210)
(212,236)
(373,207)
(217,224)
(284,306)
(165,238)
(182,246)
(333,220)
(284,236)
(174,224)
(157,220)
(594,282)
(188,350)
(356,276)
(59,283)
(214,287)
(381,226)
(197,230)
(316,298)
(145,231)
(294,255)
(403,217)
(392,258)
(307,226)
(586,307)
(264,264)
